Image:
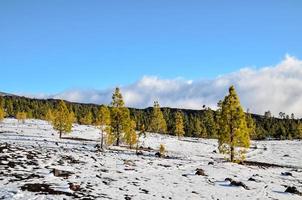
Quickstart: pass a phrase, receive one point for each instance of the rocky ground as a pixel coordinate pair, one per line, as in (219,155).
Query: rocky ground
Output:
(36,164)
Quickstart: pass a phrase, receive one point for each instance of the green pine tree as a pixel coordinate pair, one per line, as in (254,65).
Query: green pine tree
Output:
(21,117)
(87,119)
(130,136)
(233,130)
(120,116)
(49,116)
(2,113)
(209,123)
(158,123)
(141,133)
(103,122)
(179,125)
(251,125)
(63,119)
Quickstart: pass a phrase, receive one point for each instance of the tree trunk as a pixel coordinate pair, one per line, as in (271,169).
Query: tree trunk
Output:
(118,140)
(102,140)
(232,148)
(60,134)
(232,153)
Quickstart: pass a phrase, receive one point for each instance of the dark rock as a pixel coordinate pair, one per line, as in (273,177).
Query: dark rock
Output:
(74,187)
(163,165)
(214,151)
(286,174)
(286,155)
(44,188)
(211,163)
(139,153)
(157,154)
(200,172)
(293,190)
(228,179)
(61,173)
(236,183)
(144,191)
(29,156)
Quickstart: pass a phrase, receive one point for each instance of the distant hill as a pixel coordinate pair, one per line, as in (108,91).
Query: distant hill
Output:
(197,123)
(6,94)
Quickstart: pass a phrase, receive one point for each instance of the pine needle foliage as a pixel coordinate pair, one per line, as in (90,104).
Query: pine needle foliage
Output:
(233,131)
(103,122)
(179,125)
(63,119)
(21,117)
(158,123)
(120,117)
(2,114)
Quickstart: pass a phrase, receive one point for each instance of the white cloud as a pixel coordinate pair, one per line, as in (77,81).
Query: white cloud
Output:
(276,88)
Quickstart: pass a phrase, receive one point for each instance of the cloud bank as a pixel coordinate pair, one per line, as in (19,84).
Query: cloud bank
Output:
(275,88)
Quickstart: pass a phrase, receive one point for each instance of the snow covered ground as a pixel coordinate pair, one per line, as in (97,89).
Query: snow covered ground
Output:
(30,154)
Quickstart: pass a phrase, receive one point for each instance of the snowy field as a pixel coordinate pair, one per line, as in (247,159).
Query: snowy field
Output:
(36,164)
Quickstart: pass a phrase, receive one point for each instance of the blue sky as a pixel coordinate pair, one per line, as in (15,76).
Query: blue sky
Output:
(51,46)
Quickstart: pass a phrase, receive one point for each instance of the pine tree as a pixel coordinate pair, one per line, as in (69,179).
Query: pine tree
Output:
(299,130)
(158,123)
(103,122)
(63,119)
(233,130)
(199,128)
(162,150)
(141,133)
(210,124)
(120,116)
(130,136)
(251,125)
(87,119)
(21,117)
(2,114)
(49,116)
(179,126)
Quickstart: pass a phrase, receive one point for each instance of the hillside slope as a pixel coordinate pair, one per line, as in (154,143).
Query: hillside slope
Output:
(32,155)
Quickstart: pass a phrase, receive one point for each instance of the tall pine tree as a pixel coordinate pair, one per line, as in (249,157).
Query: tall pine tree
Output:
(210,124)
(179,125)
(158,123)
(2,114)
(21,116)
(120,116)
(233,130)
(130,136)
(63,119)
(103,122)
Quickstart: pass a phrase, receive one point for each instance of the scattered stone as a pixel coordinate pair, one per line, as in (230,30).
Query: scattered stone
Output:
(286,174)
(139,153)
(163,165)
(74,187)
(254,180)
(236,183)
(144,191)
(200,172)
(61,173)
(29,156)
(286,155)
(293,190)
(157,154)
(211,163)
(214,151)
(43,188)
